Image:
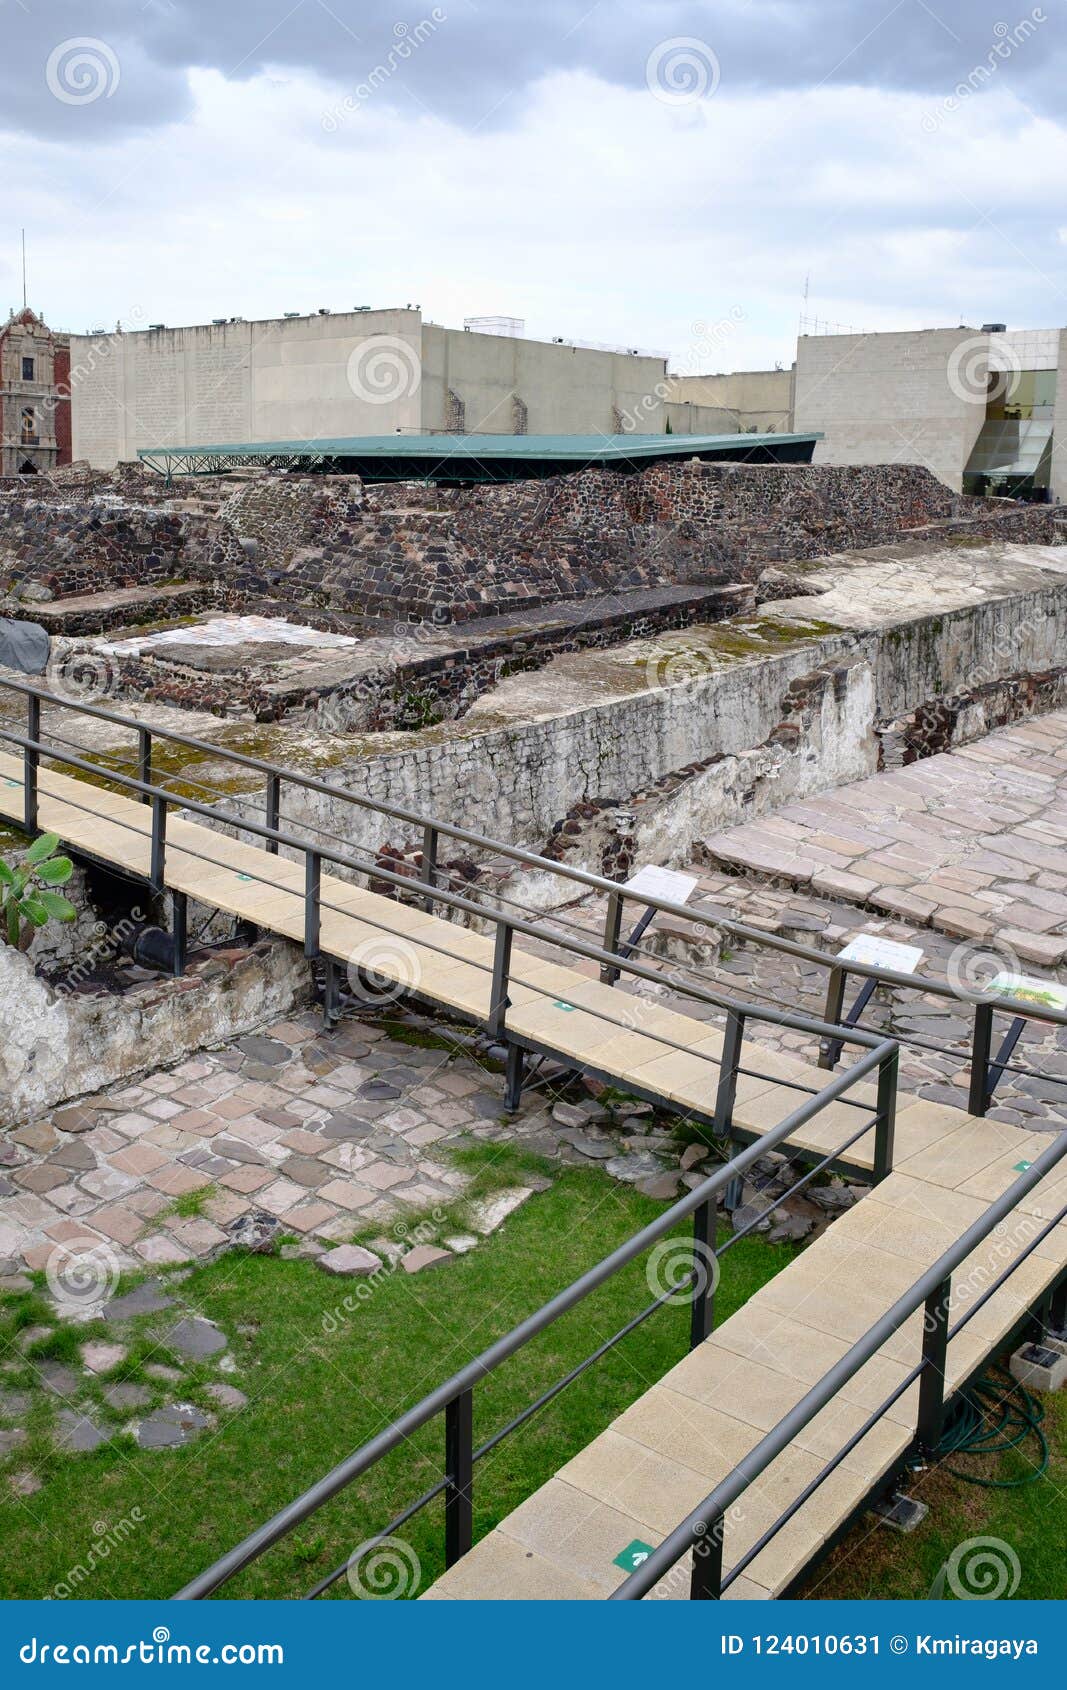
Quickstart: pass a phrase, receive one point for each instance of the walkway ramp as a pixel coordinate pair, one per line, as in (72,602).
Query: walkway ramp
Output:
(663,1455)
(637,1044)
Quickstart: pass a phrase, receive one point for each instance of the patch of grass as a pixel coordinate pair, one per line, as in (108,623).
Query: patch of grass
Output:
(190,1205)
(326,1369)
(873,1561)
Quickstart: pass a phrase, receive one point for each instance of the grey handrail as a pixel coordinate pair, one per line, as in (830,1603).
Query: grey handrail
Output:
(467,1377)
(693,1530)
(596,882)
(455,900)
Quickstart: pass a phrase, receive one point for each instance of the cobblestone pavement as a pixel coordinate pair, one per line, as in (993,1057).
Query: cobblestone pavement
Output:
(971,842)
(751,973)
(324,1132)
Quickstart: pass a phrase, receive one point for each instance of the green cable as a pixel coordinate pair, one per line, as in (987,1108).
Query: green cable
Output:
(993,1415)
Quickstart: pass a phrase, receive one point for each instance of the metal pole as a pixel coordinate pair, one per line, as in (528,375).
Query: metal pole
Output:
(459,1465)
(702,1313)
(273,815)
(727,1092)
(312,892)
(935,1354)
(830,1049)
(179,922)
(981,1041)
(885,1120)
(612,929)
(30,764)
(705,1584)
(159,843)
(429,863)
(144,761)
(516,1069)
(498,994)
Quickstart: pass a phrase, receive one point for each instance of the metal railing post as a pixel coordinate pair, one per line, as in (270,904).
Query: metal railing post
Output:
(981,1044)
(498,991)
(179,922)
(312,908)
(30,763)
(144,761)
(159,844)
(612,930)
(459,1465)
(727,1092)
(705,1585)
(273,809)
(701,1312)
(830,1049)
(935,1354)
(429,864)
(885,1120)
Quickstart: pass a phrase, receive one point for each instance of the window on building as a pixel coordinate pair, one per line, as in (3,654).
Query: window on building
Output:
(29,426)
(27,369)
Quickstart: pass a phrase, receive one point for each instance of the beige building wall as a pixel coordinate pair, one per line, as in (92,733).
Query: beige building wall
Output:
(760,399)
(688,418)
(911,397)
(1059,426)
(215,384)
(348,373)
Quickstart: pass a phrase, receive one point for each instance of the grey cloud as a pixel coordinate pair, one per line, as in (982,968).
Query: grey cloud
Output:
(479,58)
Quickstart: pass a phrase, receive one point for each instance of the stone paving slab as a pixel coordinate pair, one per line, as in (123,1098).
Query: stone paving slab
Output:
(972,842)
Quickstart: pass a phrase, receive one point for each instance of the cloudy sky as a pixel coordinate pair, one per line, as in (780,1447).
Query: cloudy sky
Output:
(648,173)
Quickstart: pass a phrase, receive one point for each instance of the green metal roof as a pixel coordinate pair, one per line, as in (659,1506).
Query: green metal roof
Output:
(475,457)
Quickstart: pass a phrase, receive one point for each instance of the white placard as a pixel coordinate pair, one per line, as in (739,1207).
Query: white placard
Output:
(666,883)
(881,953)
(1044,992)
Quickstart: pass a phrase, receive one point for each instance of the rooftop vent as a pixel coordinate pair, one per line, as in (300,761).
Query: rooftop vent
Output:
(994,328)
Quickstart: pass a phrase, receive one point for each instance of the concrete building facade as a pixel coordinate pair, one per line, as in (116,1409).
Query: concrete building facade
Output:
(759,401)
(35,425)
(353,373)
(983,409)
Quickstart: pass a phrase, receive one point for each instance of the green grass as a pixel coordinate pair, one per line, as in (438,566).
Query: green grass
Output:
(323,1377)
(1031,1519)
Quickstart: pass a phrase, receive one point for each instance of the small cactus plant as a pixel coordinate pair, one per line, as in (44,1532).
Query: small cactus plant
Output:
(27,898)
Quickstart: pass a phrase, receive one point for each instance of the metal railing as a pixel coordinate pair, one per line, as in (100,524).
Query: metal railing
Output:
(984,1069)
(455,1398)
(505,970)
(703,1530)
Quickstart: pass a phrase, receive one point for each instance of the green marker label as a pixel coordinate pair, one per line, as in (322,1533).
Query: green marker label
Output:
(633,1556)
(1021,1167)
(559,1004)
